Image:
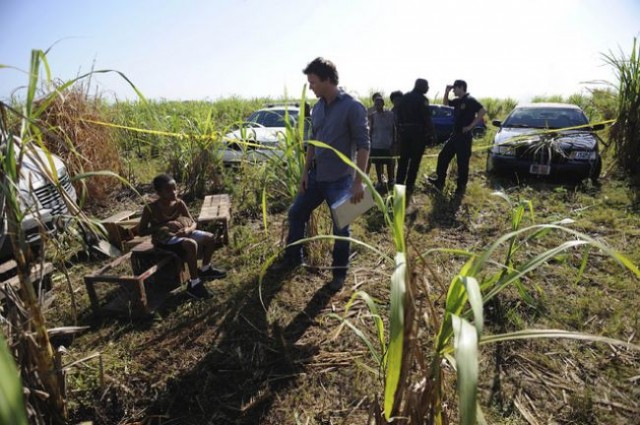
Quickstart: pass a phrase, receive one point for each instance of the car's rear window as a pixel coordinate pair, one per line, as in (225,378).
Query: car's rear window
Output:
(273,118)
(437,111)
(545,118)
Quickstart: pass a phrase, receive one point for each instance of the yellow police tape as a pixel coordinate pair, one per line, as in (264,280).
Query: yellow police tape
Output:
(246,143)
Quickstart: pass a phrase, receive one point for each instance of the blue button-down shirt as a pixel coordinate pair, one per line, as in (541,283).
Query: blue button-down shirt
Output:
(342,125)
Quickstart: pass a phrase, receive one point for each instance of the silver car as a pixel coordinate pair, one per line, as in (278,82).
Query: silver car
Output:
(262,136)
(39,199)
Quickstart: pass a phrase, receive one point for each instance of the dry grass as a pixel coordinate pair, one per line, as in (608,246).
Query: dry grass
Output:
(84,146)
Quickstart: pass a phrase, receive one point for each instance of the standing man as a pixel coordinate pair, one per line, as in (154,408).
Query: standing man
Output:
(467,113)
(340,121)
(381,131)
(416,131)
(395,97)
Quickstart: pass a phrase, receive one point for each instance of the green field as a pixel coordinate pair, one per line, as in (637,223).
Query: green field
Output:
(277,352)
(275,348)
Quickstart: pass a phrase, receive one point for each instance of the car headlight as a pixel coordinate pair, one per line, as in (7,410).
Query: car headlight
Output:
(582,155)
(504,150)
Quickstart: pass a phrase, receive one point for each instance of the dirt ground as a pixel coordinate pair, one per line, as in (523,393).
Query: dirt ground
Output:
(277,353)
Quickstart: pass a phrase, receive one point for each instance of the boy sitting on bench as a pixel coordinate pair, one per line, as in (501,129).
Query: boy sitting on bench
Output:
(173,229)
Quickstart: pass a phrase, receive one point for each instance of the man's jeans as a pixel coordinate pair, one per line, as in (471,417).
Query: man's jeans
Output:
(458,145)
(301,210)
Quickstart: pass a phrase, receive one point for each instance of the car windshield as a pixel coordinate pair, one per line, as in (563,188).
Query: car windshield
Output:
(541,117)
(272,118)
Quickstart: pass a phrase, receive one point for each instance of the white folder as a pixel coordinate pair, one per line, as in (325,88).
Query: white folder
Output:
(344,212)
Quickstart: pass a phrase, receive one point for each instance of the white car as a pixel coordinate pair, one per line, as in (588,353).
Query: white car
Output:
(262,135)
(39,199)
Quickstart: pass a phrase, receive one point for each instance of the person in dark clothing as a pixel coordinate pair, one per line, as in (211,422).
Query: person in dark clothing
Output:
(395,97)
(467,113)
(416,131)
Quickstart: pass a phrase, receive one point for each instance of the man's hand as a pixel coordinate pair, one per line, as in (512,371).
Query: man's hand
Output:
(357,192)
(303,182)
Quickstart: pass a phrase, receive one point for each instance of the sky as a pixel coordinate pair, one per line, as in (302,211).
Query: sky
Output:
(208,50)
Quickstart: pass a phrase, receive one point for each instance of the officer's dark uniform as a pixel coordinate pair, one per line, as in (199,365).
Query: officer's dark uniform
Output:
(459,144)
(416,131)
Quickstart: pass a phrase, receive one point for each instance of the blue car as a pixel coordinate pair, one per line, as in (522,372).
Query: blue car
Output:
(442,117)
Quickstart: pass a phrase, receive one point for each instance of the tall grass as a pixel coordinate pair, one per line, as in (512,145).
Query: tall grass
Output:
(25,324)
(625,134)
(415,384)
(12,405)
(497,109)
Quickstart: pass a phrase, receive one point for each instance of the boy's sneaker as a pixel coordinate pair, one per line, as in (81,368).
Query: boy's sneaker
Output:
(199,292)
(212,273)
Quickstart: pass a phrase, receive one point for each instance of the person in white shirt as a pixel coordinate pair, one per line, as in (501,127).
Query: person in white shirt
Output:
(381,132)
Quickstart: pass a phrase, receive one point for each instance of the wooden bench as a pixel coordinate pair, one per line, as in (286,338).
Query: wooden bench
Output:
(120,230)
(40,272)
(153,267)
(215,216)
(150,266)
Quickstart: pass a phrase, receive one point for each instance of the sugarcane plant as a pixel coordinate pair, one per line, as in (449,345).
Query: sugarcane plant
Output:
(625,134)
(414,379)
(25,326)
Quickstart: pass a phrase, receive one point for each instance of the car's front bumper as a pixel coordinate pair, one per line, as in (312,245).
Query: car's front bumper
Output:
(575,170)
(234,156)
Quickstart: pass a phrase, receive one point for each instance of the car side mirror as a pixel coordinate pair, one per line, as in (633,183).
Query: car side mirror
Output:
(496,123)
(598,127)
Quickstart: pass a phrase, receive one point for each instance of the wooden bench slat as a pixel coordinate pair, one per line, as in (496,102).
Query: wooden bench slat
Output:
(122,215)
(214,208)
(38,272)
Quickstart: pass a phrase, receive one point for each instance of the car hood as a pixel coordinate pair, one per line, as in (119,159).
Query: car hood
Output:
(572,139)
(35,162)
(262,135)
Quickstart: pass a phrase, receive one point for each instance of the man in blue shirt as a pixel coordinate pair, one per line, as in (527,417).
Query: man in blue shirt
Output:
(340,121)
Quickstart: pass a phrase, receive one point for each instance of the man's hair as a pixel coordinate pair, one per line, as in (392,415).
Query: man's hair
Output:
(421,85)
(460,83)
(375,95)
(161,181)
(395,94)
(324,69)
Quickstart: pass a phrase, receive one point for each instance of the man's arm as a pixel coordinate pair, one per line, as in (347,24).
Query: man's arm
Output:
(445,99)
(360,134)
(357,192)
(481,113)
(308,161)
(429,128)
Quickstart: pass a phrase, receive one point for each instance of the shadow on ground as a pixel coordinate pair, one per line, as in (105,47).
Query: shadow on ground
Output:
(243,364)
